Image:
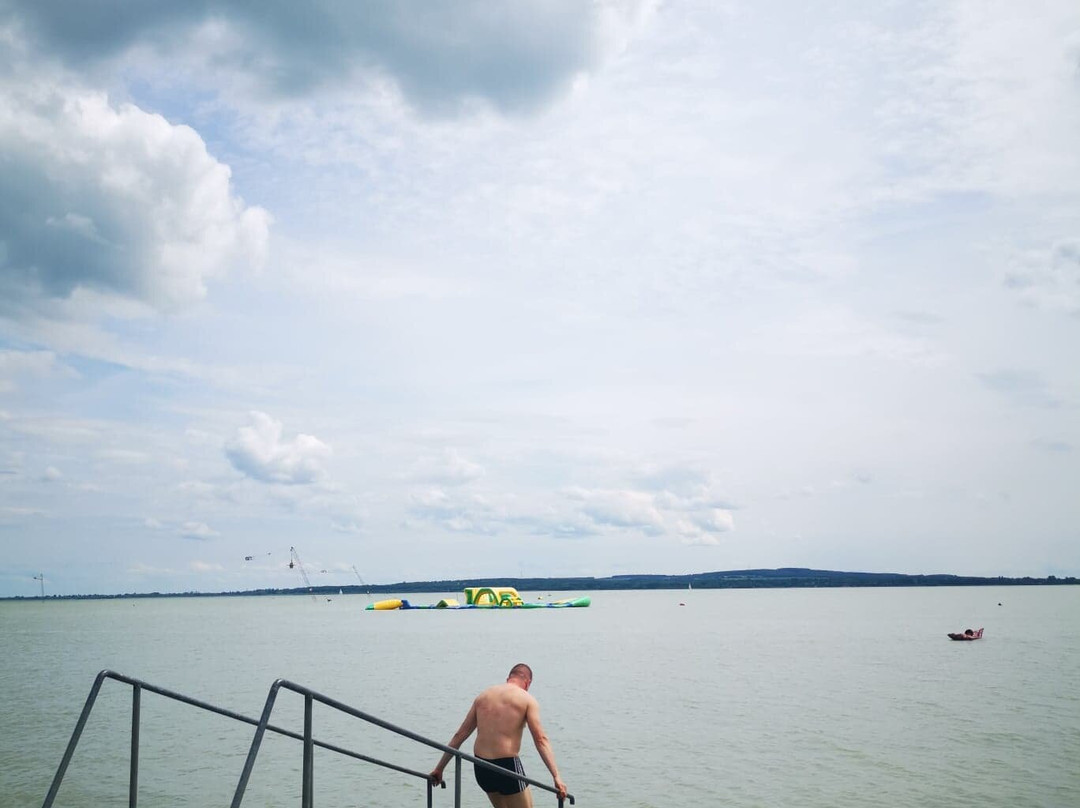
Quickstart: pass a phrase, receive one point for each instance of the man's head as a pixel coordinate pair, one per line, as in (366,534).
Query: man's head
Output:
(522,673)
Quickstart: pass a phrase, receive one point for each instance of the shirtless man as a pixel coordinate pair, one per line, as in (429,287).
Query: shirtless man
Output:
(499,715)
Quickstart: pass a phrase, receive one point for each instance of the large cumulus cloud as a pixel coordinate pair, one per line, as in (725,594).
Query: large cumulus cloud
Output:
(111,199)
(513,54)
(260,452)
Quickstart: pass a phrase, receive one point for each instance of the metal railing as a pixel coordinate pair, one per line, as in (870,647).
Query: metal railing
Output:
(307,792)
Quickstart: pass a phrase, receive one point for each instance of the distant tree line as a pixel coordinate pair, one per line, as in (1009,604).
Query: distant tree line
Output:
(784,578)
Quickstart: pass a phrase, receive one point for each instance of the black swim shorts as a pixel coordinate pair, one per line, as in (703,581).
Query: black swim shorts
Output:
(495,783)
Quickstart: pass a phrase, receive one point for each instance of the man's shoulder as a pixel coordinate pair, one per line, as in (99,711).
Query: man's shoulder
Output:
(506,692)
(490,693)
(524,698)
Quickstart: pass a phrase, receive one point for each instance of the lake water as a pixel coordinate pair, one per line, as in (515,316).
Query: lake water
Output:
(815,698)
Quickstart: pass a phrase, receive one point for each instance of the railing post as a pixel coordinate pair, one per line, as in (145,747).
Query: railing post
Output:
(256,742)
(457,781)
(133,781)
(75,735)
(307,798)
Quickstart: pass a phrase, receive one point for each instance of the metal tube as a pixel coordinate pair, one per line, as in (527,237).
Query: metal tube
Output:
(457,781)
(133,781)
(202,705)
(308,795)
(79,725)
(256,741)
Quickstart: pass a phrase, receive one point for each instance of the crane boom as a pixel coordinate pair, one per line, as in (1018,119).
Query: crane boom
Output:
(363,583)
(295,562)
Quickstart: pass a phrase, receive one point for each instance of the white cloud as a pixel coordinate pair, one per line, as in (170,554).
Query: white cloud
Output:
(699,539)
(52,474)
(695,517)
(458,514)
(60,430)
(197,489)
(33,365)
(1024,387)
(1049,279)
(259,452)
(836,331)
(13,510)
(113,200)
(448,468)
(715,521)
(626,509)
(125,456)
(347,527)
(197,530)
(140,568)
(560,523)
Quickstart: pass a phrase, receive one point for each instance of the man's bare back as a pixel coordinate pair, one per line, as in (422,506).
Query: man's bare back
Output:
(500,720)
(499,715)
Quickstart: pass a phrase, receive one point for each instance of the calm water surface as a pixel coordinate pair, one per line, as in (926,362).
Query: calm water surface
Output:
(836,697)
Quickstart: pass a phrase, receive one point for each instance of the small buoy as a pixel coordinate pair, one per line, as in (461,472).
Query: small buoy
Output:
(682,604)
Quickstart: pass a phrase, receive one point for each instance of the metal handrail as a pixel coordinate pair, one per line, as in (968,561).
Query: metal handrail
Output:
(262,725)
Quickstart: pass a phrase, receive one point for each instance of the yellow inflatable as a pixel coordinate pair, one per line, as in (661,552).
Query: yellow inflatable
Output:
(481,597)
(500,596)
(386,605)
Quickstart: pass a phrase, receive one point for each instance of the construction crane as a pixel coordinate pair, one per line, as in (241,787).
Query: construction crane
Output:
(361,580)
(295,563)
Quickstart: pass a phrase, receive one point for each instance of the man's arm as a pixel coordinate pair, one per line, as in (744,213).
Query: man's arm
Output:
(543,745)
(464,731)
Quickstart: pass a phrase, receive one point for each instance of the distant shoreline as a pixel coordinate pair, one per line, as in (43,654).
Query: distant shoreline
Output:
(783,578)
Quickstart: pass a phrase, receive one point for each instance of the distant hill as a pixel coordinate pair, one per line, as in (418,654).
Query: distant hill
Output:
(783,578)
(786,577)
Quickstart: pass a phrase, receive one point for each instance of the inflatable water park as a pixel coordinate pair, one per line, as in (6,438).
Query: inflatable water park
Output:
(482,597)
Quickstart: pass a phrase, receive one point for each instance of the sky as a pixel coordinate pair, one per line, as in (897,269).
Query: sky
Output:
(464,289)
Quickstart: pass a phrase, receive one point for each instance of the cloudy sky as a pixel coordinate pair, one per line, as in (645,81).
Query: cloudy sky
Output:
(460,288)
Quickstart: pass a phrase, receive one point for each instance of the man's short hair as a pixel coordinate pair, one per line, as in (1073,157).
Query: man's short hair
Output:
(521,669)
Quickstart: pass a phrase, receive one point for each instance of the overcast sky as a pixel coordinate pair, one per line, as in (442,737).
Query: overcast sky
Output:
(465,288)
